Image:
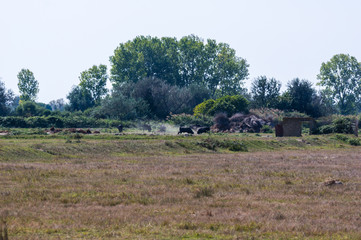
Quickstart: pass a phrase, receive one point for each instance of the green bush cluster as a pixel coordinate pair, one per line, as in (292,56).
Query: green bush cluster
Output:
(188,120)
(56,121)
(227,104)
(338,124)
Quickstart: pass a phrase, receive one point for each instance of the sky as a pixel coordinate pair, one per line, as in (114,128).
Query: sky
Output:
(283,39)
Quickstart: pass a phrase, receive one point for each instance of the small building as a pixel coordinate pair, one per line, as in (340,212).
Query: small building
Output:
(292,126)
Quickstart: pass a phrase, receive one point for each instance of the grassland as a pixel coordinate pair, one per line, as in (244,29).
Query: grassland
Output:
(226,186)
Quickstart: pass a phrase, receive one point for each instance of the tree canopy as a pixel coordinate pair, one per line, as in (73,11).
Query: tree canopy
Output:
(182,63)
(28,85)
(6,96)
(341,77)
(265,92)
(94,81)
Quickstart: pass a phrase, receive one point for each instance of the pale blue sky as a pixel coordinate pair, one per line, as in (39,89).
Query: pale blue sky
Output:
(283,39)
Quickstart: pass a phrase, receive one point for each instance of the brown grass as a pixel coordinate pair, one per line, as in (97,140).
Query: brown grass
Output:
(266,195)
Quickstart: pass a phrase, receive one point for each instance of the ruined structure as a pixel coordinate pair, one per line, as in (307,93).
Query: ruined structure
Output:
(292,126)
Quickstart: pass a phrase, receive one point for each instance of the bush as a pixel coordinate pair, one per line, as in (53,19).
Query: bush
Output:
(354,142)
(37,122)
(266,129)
(187,120)
(14,122)
(326,129)
(204,107)
(227,104)
(343,124)
(55,121)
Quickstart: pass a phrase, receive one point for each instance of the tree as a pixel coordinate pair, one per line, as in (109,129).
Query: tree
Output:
(120,106)
(28,85)
(301,93)
(161,97)
(79,99)
(57,105)
(265,92)
(94,81)
(341,77)
(6,98)
(183,63)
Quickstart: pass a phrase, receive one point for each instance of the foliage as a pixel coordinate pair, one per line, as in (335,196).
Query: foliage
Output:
(354,142)
(94,81)
(343,124)
(204,107)
(80,99)
(265,92)
(57,105)
(266,129)
(302,95)
(226,104)
(29,109)
(188,120)
(336,124)
(28,85)
(6,98)
(182,63)
(341,78)
(325,129)
(120,106)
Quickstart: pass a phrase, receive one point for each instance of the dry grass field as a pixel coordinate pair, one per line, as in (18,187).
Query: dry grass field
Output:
(159,188)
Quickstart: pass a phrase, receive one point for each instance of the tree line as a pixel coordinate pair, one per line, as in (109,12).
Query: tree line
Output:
(155,77)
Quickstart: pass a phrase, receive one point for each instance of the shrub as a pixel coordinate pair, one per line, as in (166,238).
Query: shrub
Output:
(266,129)
(14,122)
(187,119)
(55,121)
(326,129)
(226,104)
(37,122)
(343,124)
(342,137)
(204,107)
(230,105)
(354,142)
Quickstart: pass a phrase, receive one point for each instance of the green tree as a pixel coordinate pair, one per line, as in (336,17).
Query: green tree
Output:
(79,99)
(302,95)
(94,81)
(183,63)
(28,85)
(6,97)
(265,92)
(341,77)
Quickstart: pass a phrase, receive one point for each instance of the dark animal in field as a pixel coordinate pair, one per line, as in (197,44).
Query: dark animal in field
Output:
(81,131)
(332,182)
(203,130)
(88,131)
(96,132)
(185,130)
(55,130)
(120,128)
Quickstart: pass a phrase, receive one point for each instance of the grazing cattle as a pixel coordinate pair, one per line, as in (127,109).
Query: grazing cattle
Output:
(185,130)
(88,131)
(81,131)
(120,128)
(203,130)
